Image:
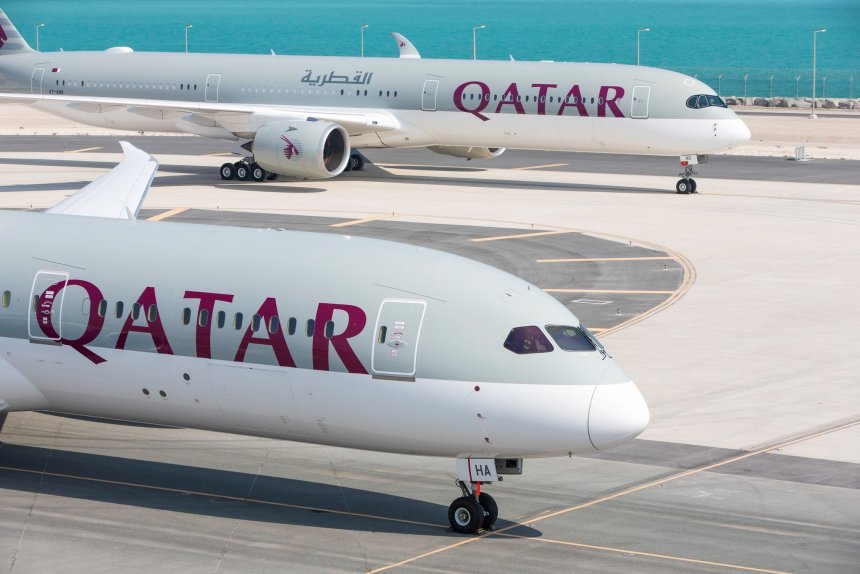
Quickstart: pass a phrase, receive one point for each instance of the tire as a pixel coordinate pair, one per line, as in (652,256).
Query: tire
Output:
(228,171)
(491,510)
(242,171)
(465,515)
(683,186)
(271,176)
(356,162)
(257,172)
(693,185)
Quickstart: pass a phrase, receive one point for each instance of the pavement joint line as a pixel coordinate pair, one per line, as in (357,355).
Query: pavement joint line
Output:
(221,496)
(522,235)
(662,479)
(84,149)
(643,554)
(598,259)
(170,213)
(541,166)
(361,221)
(617,291)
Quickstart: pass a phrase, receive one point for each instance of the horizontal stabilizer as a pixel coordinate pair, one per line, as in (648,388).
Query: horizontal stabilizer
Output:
(118,193)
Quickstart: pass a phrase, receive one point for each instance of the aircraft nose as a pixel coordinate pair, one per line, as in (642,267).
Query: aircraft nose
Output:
(617,414)
(740,133)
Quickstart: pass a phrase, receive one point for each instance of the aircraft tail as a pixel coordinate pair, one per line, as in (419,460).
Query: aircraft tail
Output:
(11,41)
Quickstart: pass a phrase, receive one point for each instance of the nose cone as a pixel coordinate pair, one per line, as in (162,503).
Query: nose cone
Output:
(618,413)
(739,132)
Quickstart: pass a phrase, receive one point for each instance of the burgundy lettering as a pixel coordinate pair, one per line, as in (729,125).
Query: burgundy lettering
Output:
(514,100)
(153,324)
(542,90)
(604,100)
(356,321)
(204,332)
(276,340)
(573,98)
(94,321)
(483,102)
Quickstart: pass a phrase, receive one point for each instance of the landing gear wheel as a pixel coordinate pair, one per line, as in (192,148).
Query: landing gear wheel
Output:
(465,515)
(271,176)
(356,162)
(693,186)
(257,172)
(242,171)
(491,510)
(683,186)
(228,171)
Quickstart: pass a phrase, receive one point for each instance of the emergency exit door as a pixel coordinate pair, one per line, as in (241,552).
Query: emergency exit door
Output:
(395,344)
(213,82)
(36,81)
(639,107)
(428,95)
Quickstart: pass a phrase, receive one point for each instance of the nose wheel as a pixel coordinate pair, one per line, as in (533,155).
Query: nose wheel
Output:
(473,511)
(687,184)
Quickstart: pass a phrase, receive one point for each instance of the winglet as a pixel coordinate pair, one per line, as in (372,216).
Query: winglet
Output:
(407,50)
(117,194)
(11,41)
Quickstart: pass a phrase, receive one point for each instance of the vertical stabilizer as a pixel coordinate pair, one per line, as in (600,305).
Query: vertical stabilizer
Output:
(11,41)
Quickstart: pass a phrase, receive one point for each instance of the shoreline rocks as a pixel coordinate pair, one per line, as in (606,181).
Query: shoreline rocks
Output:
(799,103)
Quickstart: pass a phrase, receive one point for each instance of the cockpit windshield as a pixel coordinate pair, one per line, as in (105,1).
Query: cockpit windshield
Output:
(570,338)
(527,340)
(704,101)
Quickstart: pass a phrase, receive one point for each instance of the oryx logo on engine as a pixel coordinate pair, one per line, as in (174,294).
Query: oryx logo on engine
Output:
(291,150)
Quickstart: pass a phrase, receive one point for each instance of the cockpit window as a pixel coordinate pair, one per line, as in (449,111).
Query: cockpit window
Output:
(703,101)
(527,340)
(570,338)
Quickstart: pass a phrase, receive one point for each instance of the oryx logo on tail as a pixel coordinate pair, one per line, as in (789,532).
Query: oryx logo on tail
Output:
(3,36)
(291,150)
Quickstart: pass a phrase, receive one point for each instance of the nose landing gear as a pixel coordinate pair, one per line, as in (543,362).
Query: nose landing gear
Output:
(687,184)
(473,511)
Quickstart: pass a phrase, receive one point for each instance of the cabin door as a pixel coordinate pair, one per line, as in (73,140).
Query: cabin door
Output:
(213,81)
(639,108)
(428,96)
(395,344)
(46,306)
(36,81)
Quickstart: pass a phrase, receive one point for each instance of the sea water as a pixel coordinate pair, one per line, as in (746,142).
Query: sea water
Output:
(739,47)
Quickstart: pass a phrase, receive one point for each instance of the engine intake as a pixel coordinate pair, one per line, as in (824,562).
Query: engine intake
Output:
(309,149)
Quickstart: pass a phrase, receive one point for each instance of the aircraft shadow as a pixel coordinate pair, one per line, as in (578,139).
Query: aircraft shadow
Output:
(220,493)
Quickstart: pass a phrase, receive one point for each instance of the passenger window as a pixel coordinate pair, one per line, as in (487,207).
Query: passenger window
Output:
(309,328)
(237,321)
(118,309)
(291,326)
(7,299)
(103,308)
(222,319)
(135,311)
(256,320)
(570,338)
(274,325)
(527,340)
(152,313)
(329,329)
(186,316)
(203,317)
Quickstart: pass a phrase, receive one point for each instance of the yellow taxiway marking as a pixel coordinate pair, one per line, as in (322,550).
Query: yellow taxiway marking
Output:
(84,149)
(359,221)
(633,489)
(622,291)
(595,259)
(166,214)
(644,554)
(221,153)
(598,329)
(220,496)
(521,235)
(541,166)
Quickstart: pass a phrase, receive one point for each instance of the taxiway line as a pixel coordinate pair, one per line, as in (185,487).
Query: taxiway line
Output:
(219,496)
(630,490)
(521,235)
(359,221)
(82,150)
(166,214)
(598,259)
(645,554)
(541,166)
(617,291)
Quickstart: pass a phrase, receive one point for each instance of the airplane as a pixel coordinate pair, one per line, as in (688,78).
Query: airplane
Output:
(303,116)
(309,337)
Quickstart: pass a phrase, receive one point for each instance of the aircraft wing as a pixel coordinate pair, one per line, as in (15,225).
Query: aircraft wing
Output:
(119,193)
(234,118)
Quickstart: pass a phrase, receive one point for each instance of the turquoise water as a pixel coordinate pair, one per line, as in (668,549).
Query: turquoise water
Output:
(734,38)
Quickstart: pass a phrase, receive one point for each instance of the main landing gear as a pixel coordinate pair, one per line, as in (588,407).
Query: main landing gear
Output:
(246,170)
(473,511)
(687,184)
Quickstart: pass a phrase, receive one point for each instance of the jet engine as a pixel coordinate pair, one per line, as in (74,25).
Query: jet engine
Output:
(311,149)
(468,152)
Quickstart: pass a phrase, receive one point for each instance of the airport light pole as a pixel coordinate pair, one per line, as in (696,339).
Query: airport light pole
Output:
(851,87)
(771,85)
(638,43)
(812,115)
(363,28)
(475,41)
(37,35)
(719,85)
(797,86)
(745,87)
(186,37)
(823,86)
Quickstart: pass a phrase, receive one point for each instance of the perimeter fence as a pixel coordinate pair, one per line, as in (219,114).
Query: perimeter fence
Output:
(782,83)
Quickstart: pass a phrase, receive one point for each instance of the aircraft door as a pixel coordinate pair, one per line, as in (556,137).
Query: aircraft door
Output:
(639,107)
(428,96)
(46,306)
(213,81)
(395,344)
(36,81)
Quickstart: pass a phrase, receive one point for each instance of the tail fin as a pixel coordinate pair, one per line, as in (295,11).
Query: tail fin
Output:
(11,41)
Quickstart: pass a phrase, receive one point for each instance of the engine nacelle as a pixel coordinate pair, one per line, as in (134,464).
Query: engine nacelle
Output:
(310,149)
(467,151)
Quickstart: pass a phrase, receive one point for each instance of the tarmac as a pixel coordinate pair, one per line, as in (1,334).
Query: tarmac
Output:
(748,361)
